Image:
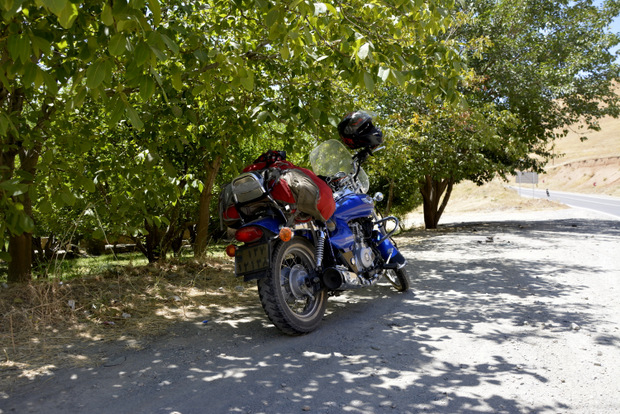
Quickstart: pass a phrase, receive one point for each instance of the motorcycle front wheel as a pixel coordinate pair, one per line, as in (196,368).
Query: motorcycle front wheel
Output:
(290,296)
(398,279)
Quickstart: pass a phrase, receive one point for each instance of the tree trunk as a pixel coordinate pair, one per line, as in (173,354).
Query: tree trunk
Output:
(202,228)
(20,250)
(20,245)
(432,190)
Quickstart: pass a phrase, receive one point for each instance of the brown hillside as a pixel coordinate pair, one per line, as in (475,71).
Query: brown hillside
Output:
(591,166)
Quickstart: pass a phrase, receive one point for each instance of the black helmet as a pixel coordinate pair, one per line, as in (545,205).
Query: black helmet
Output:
(357,131)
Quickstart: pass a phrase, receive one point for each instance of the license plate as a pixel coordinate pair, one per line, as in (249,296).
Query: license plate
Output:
(250,259)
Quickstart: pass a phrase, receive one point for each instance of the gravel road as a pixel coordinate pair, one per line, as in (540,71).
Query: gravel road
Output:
(510,313)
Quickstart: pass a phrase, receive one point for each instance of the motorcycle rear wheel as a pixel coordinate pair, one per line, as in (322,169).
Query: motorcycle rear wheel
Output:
(398,279)
(288,294)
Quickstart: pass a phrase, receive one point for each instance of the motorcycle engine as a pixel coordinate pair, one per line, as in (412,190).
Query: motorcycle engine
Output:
(363,256)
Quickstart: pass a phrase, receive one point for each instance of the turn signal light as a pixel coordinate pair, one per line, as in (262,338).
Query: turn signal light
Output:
(286,234)
(231,250)
(249,234)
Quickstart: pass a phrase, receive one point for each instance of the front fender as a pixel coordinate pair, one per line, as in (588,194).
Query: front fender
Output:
(390,253)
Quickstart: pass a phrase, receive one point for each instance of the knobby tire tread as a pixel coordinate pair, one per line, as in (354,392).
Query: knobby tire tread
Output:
(268,294)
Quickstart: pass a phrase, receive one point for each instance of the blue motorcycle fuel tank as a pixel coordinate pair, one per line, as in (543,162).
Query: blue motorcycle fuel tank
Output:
(349,207)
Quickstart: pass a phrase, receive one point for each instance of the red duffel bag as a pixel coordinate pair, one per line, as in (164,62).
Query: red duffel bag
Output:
(299,189)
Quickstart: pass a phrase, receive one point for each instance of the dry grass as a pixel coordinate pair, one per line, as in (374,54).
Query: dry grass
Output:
(50,324)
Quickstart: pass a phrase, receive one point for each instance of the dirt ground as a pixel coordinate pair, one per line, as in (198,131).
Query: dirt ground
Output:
(510,312)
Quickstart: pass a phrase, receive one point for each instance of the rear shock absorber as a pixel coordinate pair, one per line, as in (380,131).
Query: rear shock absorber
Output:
(320,245)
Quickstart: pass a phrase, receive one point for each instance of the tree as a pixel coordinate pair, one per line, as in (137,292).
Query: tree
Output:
(549,63)
(159,72)
(535,68)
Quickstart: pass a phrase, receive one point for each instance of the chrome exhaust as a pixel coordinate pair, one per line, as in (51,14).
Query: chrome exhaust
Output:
(339,278)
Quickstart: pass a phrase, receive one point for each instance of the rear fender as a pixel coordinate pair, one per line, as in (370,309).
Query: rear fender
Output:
(271,224)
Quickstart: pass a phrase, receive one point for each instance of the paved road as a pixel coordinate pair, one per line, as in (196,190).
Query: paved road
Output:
(604,204)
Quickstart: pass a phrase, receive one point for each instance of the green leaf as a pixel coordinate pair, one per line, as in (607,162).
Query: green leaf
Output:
(116,112)
(4,80)
(263,116)
(86,183)
(117,44)
(13,187)
(127,25)
(134,118)
(6,4)
(40,45)
(50,83)
(157,51)
(12,12)
(26,224)
(169,169)
(78,100)
(174,48)
(248,81)
(4,124)
(19,47)
(96,73)
(156,10)
(177,111)
(106,15)
(399,77)
(45,207)
(175,75)
(55,6)
(98,234)
(142,53)
(30,73)
(68,15)
(67,197)
(147,87)
(285,52)
(369,82)
(272,16)
(331,8)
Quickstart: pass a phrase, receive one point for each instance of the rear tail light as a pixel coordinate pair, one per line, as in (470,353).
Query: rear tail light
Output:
(231,250)
(249,234)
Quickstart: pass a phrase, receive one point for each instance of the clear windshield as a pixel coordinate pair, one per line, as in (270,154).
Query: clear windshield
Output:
(331,157)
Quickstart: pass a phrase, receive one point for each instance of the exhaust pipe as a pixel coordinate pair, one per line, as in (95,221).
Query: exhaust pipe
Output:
(339,278)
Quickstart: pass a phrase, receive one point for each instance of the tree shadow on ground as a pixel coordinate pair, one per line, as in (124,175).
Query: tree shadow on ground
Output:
(238,362)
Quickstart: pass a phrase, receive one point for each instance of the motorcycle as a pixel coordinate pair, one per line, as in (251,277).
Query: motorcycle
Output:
(299,257)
